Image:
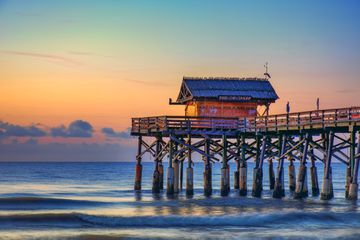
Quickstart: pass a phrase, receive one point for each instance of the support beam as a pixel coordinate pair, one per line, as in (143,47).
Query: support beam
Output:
(314,177)
(301,184)
(243,169)
(189,172)
(258,171)
(354,187)
(225,178)
(271,174)
(207,170)
(327,191)
(292,176)
(138,167)
(279,190)
(175,165)
(237,160)
(170,171)
(156,175)
(352,160)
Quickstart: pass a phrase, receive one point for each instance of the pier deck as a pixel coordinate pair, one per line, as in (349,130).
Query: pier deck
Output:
(339,120)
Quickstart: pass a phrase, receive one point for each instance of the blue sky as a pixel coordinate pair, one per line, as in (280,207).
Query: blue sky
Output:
(103,62)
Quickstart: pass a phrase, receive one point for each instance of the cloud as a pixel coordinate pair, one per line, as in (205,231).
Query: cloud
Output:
(78,128)
(56,58)
(109,132)
(12,130)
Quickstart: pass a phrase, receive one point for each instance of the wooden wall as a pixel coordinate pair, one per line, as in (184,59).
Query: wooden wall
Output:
(221,109)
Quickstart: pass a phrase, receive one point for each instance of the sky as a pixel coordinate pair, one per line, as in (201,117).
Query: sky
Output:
(73,73)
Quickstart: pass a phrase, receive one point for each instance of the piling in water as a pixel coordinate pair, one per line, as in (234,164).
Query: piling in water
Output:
(161,176)
(301,184)
(170,171)
(279,190)
(327,192)
(257,182)
(271,174)
(176,175)
(236,179)
(138,174)
(207,180)
(207,171)
(314,181)
(292,177)
(138,167)
(354,187)
(189,181)
(348,181)
(156,180)
(225,177)
(242,179)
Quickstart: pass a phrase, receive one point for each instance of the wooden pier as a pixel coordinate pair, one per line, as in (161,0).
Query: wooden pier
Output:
(222,124)
(306,137)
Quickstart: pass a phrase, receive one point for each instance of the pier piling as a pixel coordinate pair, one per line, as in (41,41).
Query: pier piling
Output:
(157,175)
(314,177)
(207,170)
(258,171)
(301,183)
(327,186)
(138,167)
(225,178)
(189,173)
(354,187)
(292,176)
(271,174)
(243,169)
(279,190)
(170,171)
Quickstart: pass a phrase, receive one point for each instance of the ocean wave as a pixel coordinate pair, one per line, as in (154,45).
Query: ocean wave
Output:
(249,220)
(29,203)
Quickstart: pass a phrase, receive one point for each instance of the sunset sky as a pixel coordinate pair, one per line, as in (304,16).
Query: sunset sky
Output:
(73,73)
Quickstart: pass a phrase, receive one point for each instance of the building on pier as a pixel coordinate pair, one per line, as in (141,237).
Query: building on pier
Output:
(225,97)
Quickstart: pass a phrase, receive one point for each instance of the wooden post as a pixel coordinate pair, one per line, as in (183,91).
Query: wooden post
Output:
(138,167)
(258,172)
(156,175)
(292,175)
(271,174)
(189,173)
(175,165)
(225,181)
(279,190)
(181,174)
(301,183)
(170,171)
(207,170)
(314,177)
(350,167)
(327,192)
(354,187)
(237,160)
(243,169)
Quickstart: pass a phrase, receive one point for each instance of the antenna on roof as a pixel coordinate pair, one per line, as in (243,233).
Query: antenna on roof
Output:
(267,75)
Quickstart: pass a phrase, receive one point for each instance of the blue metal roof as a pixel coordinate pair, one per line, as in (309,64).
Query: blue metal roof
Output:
(255,88)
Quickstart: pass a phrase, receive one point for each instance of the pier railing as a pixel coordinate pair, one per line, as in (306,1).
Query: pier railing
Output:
(293,121)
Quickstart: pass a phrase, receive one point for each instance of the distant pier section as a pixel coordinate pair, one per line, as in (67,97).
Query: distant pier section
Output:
(227,119)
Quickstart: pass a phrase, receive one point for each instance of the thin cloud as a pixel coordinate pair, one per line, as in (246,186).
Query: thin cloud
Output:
(56,58)
(111,133)
(78,129)
(13,130)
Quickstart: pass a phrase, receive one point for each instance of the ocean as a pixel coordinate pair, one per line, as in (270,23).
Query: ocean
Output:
(97,201)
